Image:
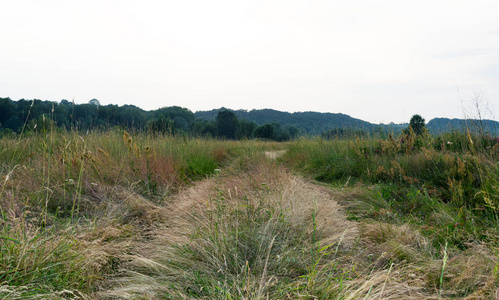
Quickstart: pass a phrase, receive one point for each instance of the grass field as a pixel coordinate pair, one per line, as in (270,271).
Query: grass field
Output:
(116,215)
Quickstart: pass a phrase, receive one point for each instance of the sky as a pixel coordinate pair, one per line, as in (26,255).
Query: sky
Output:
(379,61)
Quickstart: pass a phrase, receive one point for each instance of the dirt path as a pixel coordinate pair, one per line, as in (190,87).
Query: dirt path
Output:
(304,205)
(274,154)
(200,232)
(298,197)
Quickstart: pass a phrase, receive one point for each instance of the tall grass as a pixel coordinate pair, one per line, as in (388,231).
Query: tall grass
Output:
(458,169)
(57,188)
(110,215)
(40,263)
(266,234)
(447,186)
(65,173)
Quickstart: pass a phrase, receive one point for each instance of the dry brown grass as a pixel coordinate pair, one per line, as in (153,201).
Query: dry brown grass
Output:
(470,274)
(139,245)
(380,260)
(188,213)
(404,265)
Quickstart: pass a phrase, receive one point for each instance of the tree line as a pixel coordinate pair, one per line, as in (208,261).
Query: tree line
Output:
(37,115)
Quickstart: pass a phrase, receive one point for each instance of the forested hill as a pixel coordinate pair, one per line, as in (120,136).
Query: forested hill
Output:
(441,125)
(309,122)
(38,115)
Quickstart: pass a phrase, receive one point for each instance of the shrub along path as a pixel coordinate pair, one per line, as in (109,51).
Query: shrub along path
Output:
(261,232)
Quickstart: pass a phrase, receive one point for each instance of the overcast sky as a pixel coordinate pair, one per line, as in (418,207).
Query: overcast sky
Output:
(379,61)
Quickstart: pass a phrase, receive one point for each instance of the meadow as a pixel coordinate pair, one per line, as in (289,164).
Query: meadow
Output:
(119,215)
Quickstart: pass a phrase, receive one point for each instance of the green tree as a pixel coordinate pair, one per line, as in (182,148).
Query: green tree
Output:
(280,134)
(6,109)
(62,114)
(13,123)
(227,124)
(417,124)
(181,124)
(246,129)
(173,112)
(161,125)
(293,131)
(204,128)
(266,131)
(94,102)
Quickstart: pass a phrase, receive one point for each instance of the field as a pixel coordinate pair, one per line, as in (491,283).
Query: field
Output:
(118,215)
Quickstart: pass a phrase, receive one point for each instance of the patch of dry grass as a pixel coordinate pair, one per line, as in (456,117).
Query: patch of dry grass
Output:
(245,235)
(404,265)
(270,234)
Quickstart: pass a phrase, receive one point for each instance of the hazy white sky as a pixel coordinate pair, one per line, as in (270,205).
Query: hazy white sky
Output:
(380,61)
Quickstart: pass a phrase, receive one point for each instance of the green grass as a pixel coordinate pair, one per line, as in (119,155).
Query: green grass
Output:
(39,262)
(77,210)
(415,178)
(446,188)
(61,186)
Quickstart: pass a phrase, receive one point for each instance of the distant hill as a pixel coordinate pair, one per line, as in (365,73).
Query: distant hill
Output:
(310,122)
(35,114)
(441,125)
(315,123)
